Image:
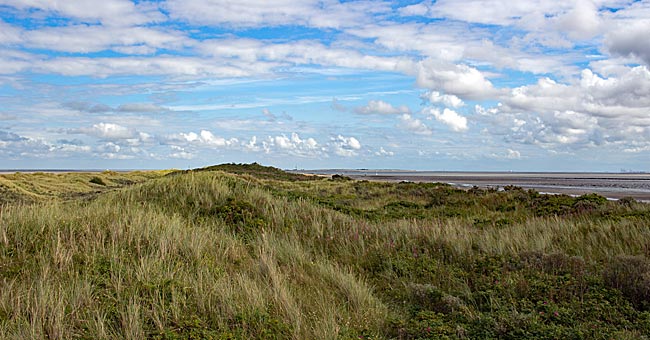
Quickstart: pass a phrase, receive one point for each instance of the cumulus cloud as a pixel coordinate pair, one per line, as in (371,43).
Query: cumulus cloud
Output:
(383,153)
(513,154)
(582,21)
(7,136)
(590,111)
(345,146)
(459,80)
(15,146)
(381,107)
(203,138)
(436,97)
(414,125)
(116,141)
(509,154)
(108,131)
(451,118)
(180,153)
(293,145)
(630,39)
(454,60)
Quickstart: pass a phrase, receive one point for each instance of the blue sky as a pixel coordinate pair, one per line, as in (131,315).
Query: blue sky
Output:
(428,85)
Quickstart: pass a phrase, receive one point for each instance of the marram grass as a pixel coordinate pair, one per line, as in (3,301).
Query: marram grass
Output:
(257,254)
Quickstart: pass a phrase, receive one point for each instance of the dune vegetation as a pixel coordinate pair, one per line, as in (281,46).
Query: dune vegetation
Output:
(251,252)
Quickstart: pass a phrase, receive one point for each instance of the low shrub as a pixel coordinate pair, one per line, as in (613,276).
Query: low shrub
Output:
(630,275)
(97,180)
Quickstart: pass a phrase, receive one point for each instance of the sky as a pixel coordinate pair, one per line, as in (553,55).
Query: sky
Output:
(491,85)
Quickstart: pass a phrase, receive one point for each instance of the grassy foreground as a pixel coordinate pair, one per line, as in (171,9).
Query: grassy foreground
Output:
(241,252)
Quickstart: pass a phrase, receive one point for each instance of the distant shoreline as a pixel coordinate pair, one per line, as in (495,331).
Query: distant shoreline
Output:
(610,185)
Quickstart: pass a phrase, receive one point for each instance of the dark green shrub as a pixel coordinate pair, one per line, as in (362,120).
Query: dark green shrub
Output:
(550,205)
(630,275)
(240,215)
(97,180)
(588,203)
(342,178)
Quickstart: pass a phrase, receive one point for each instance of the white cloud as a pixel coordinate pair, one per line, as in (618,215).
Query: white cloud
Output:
(87,39)
(292,145)
(12,61)
(509,154)
(251,145)
(109,12)
(434,41)
(582,21)
(381,107)
(203,138)
(345,146)
(196,44)
(579,19)
(9,34)
(110,147)
(513,154)
(494,12)
(631,39)
(455,43)
(302,52)
(256,13)
(108,131)
(109,155)
(383,153)
(436,97)
(414,125)
(158,65)
(451,118)
(459,80)
(14,146)
(591,111)
(182,155)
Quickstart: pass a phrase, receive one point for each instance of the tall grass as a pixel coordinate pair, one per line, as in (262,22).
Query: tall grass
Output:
(215,255)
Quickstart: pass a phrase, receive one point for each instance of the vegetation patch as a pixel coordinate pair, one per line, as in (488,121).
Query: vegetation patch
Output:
(250,252)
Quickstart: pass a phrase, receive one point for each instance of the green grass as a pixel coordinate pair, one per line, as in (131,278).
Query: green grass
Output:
(257,253)
(39,186)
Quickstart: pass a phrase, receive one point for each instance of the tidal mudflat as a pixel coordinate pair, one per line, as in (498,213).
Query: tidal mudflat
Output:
(610,185)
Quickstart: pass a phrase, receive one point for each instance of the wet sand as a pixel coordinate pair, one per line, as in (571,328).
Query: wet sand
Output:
(610,185)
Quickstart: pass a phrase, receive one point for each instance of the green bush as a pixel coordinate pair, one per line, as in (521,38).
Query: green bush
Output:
(630,275)
(97,180)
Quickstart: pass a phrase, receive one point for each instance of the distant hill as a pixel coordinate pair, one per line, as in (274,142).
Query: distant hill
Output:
(253,169)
